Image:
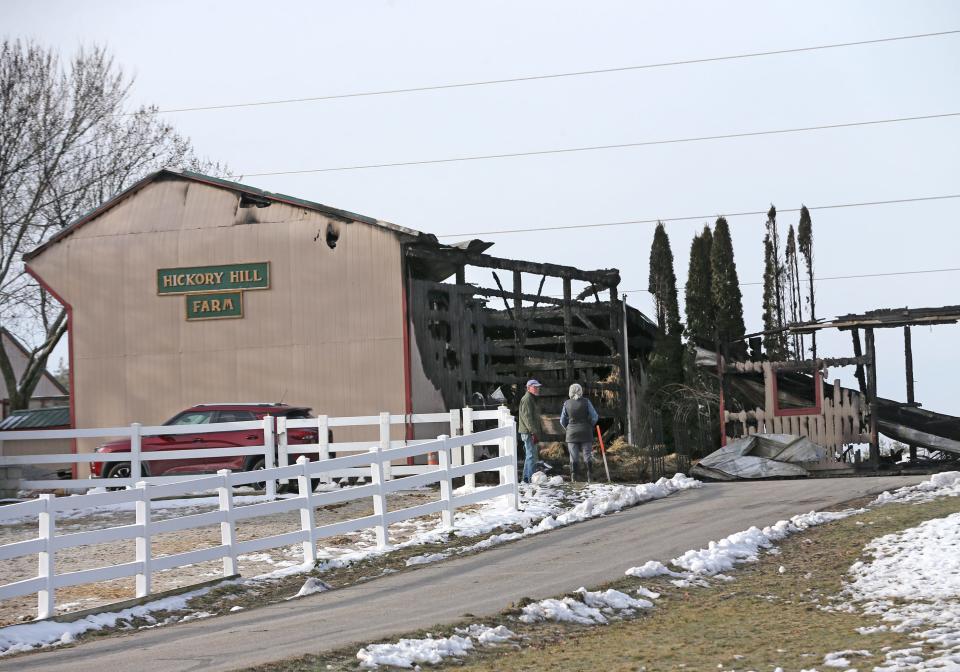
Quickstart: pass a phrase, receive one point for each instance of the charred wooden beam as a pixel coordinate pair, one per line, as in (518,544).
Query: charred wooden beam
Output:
(908,361)
(567,327)
(507,351)
(603,277)
(872,385)
(858,351)
(531,325)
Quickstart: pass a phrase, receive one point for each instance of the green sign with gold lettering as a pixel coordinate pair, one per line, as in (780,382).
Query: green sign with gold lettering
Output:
(205,279)
(215,306)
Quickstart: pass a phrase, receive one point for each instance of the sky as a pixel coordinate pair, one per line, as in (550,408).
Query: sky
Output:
(186,54)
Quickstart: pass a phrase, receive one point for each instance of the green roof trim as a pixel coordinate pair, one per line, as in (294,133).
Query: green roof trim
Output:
(37,418)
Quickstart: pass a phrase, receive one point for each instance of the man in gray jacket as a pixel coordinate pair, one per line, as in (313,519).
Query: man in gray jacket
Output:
(579,417)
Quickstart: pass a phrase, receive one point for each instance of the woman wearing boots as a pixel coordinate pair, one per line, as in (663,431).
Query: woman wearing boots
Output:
(578,417)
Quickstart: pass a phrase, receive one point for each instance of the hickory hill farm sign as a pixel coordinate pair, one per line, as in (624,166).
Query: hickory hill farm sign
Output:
(214,292)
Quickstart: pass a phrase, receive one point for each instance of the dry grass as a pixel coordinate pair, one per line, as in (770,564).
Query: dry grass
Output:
(762,620)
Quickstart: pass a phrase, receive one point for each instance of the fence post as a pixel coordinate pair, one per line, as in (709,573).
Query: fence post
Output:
(307,522)
(457,453)
(470,480)
(136,462)
(47,566)
(269,449)
(385,443)
(283,457)
(379,499)
(228,535)
(446,484)
(323,439)
(144,551)
(508,446)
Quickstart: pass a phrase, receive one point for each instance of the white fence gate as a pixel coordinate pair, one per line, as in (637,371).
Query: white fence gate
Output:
(373,462)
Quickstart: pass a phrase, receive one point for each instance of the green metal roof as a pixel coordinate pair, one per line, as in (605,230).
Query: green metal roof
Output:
(37,418)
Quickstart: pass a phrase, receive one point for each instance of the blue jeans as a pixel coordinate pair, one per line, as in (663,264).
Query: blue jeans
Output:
(531,456)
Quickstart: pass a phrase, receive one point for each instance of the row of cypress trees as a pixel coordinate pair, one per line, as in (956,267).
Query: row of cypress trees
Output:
(713,301)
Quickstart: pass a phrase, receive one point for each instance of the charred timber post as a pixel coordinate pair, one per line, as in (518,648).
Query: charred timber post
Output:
(858,352)
(872,384)
(616,326)
(521,333)
(567,328)
(908,360)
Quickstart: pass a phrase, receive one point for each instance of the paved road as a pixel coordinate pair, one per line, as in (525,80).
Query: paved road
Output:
(585,554)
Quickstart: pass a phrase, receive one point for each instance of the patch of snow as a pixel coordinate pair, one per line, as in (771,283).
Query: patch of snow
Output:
(567,610)
(840,659)
(944,484)
(650,569)
(311,586)
(612,599)
(28,636)
(721,556)
(407,653)
(643,592)
(426,559)
(236,608)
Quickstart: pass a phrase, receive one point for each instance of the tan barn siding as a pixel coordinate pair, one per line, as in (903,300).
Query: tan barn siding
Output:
(327,334)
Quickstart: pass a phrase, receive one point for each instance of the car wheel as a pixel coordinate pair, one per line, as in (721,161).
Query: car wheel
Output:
(120,470)
(258,465)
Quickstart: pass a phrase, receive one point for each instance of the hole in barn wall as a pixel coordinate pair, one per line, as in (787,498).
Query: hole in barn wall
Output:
(333,235)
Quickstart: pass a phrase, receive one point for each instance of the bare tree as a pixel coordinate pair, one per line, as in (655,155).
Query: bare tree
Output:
(68,142)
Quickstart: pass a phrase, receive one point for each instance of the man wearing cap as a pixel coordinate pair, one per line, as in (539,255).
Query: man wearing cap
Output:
(530,427)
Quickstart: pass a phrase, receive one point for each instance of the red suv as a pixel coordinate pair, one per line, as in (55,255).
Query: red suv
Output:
(203,414)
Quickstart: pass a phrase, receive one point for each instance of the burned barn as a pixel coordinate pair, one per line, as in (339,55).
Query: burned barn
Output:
(797,398)
(189,289)
(479,344)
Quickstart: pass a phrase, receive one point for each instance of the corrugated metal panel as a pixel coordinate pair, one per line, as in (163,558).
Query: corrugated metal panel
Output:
(37,418)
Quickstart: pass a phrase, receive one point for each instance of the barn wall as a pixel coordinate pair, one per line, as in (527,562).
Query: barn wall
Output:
(327,334)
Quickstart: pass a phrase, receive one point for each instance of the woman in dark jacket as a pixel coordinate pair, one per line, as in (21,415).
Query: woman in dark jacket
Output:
(578,417)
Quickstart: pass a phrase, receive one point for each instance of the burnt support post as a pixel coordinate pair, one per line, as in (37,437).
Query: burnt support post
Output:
(521,333)
(616,327)
(908,360)
(858,352)
(628,384)
(872,391)
(567,324)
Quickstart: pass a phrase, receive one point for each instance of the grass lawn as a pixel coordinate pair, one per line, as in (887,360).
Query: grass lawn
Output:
(761,620)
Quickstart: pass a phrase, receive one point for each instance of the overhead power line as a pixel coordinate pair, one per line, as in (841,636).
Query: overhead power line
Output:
(592,148)
(627,222)
(843,277)
(558,75)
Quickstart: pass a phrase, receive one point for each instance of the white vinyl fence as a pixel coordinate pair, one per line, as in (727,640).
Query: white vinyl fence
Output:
(275,449)
(373,462)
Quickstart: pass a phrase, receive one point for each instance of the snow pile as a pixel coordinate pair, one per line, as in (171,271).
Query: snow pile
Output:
(20,638)
(407,653)
(650,569)
(839,658)
(945,484)
(613,600)
(311,586)
(540,478)
(567,610)
(911,581)
(487,636)
(745,546)
(426,559)
(590,609)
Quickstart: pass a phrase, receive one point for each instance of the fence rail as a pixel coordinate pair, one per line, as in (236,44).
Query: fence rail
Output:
(374,461)
(276,448)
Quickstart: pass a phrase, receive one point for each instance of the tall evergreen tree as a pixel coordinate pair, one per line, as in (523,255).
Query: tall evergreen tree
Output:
(725,287)
(773,338)
(795,293)
(699,307)
(666,360)
(663,283)
(805,241)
